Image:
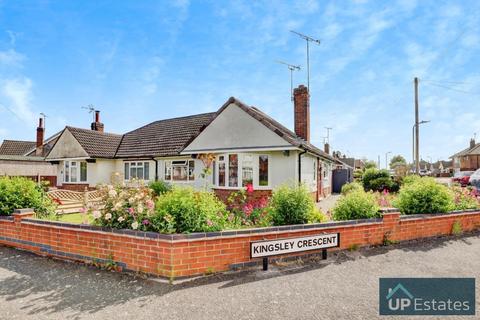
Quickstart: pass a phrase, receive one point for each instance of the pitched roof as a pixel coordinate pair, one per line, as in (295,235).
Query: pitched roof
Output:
(164,137)
(277,128)
(468,151)
(16,147)
(96,144)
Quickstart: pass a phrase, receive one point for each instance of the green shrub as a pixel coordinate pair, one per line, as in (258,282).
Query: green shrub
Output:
(291,205)
(186,210)
(159,187)
(352,186)
(18,193)
(356,205)
(424,195)
(377,180)
(411,179)
(316,216)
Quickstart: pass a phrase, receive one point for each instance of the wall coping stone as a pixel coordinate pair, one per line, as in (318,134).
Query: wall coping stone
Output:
(25,210)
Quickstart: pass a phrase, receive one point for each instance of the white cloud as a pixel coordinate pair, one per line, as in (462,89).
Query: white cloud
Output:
(16,95)
(11,58)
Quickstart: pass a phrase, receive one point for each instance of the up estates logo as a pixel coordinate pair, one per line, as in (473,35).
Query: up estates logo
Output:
(427,296)
(399,303)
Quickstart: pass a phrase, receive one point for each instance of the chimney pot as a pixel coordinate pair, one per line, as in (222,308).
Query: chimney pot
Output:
(301,102)
(472,143)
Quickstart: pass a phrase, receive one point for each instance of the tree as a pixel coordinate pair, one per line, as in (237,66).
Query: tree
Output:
(370,164)
(397,160)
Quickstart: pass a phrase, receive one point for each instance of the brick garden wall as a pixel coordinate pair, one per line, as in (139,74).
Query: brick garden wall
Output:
(183,255)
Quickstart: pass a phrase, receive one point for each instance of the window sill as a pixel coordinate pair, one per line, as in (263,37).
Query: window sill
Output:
(264,188)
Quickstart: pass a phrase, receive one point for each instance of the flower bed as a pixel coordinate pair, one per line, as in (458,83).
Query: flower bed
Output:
(185,210)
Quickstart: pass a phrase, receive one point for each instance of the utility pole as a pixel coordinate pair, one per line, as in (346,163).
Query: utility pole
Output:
(308,39)
(292,68)
(417,129)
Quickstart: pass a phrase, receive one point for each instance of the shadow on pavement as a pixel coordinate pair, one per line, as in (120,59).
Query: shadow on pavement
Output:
(49,286)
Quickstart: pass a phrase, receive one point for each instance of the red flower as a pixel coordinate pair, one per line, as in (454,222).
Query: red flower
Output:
(249,188)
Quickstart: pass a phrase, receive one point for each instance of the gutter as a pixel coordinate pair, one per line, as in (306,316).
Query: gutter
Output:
(300,166)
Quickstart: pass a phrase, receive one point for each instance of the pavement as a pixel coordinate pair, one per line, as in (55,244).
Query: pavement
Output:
(327,204)
(343,287)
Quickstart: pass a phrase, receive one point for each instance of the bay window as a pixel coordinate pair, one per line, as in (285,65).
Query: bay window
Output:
(137,170)
(179,170)
(242,169)
(75,171)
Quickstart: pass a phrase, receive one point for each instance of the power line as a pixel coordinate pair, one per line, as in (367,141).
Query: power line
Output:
(453,89)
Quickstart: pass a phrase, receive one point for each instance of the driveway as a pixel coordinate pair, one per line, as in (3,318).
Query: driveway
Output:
(343,287)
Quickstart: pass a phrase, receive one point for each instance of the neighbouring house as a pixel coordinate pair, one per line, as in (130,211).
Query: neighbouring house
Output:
(26,158)
(239,143)
(468,159)
(443,168)
(357,164)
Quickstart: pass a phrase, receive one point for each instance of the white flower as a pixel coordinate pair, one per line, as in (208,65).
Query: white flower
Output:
(135,225)
(112,193)
(96,214)
(108,216)
(140,208)
(121,219)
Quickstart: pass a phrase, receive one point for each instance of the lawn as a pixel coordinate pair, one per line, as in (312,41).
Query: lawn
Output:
(76,218)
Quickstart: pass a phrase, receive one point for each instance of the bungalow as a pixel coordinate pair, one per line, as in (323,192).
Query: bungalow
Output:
(26,158)
(467,159)
(239,144)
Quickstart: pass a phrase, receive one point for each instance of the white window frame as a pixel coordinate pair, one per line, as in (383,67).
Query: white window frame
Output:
(256,170)
(78,175)
(171,164)
(136,165)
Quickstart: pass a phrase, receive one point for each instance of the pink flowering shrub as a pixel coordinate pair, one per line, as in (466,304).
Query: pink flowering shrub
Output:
(465,198)
(125,208)
(248,212)
(385,199)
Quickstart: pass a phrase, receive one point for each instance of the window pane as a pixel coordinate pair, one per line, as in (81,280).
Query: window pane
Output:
(67,171)
(191,170)
(221,174)
(213,173)
(133,172)
(168,170)
(73,173)
(233,170)
(146,171)
(247,170)
(127,171)
(180,173)
(83,171)
(140,173)
(263,170)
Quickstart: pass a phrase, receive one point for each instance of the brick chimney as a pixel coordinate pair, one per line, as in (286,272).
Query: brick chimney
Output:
(97,125)
(472,143)
(301,101)
(40,138)
(326,148)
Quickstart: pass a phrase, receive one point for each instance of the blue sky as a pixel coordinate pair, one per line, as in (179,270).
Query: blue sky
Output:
(140,61)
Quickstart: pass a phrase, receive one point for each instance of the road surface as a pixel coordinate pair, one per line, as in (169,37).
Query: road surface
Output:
(344,287)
